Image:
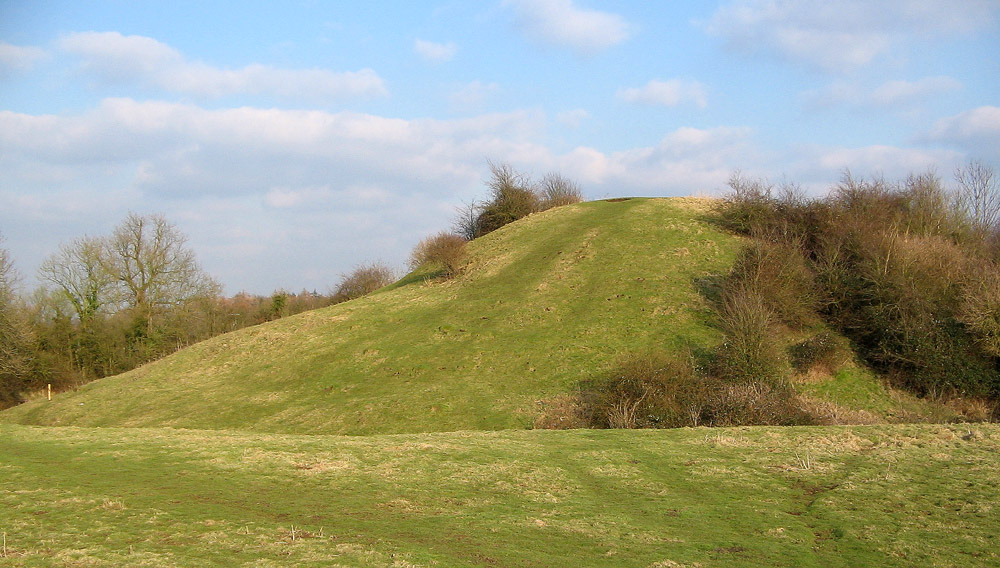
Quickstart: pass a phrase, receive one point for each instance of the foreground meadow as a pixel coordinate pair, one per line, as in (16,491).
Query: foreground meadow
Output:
(889,495)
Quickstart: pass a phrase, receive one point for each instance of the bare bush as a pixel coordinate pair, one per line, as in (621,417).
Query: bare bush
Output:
(748,353)
(513,195)
(900,268)
(980,308)
(655,390)
(561,412)
(758,403)
(557,191)
(778,269)
(363,280)
(749,204)
(443,251)
(979,194)
(648,390)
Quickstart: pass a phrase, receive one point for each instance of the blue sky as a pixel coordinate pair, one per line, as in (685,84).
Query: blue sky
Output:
(291,142)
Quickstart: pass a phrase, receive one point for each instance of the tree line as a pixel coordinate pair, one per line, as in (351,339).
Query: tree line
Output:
(109,304)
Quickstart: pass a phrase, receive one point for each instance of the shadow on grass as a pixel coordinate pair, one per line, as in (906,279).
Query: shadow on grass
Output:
(710,287)
(415,277)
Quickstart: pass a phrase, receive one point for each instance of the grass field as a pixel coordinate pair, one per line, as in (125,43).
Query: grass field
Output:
(900,495)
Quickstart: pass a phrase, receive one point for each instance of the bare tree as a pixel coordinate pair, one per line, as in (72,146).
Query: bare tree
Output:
(8,276)
(148,258)
(15,336)
(80,272)
(466,221)
(979,194)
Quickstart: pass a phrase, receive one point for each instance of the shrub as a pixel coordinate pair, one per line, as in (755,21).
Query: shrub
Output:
(650,390)
(557,191)
(901,269)
(898,299)
(748,206)
(824,349)
(466,223)
(780,272)
(363,280)
(443,251)
(758,403)
(980,308)
(513,196)
(655,390)
(747,354)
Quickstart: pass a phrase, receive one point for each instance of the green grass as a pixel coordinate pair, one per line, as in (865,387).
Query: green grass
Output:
(899,495)
(544,303)
(220,455)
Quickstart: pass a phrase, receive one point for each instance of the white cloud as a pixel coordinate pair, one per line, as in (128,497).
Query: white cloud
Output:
(436,52)
(666,93)
(473,95)
(356,196)
(342,187)
(845,35)
(572,118)
(897,93)
(685,161)
(976,131)
(561,23)
(286,197)
(891,161)
(114,58)
(699,161)
(901,92)
(976,124)
(276,198)
(18,57)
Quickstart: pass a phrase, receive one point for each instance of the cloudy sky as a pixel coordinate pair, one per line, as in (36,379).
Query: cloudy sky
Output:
(292,141)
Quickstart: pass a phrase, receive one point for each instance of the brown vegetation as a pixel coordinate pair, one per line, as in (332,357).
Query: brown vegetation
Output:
(656,390)
(513,195)
(907,271)
(363,280)
(112,303)
(443,252)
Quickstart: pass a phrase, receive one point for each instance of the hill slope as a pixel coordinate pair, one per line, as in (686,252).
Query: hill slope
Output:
(544,303)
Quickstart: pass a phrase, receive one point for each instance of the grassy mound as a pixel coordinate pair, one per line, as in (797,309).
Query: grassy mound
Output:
(543,304)
(899,495)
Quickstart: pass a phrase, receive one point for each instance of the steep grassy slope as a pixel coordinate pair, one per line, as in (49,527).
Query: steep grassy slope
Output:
(900,495)
(544,303)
